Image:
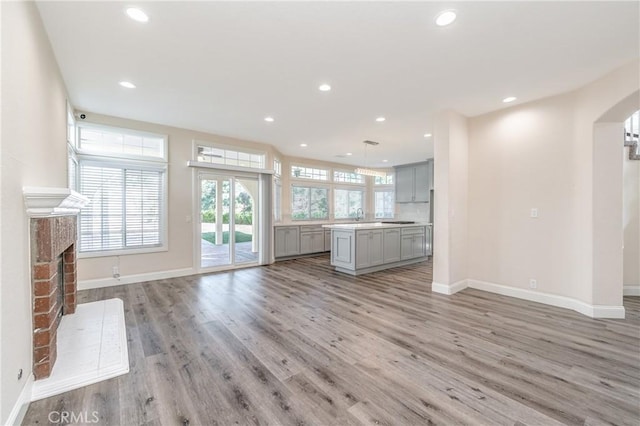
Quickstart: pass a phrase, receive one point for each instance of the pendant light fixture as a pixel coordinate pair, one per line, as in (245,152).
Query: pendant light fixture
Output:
(367,171)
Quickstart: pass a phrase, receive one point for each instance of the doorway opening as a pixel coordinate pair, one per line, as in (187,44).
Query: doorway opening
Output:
(228,227)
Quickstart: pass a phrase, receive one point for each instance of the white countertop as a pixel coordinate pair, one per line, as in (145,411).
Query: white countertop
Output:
(373,225)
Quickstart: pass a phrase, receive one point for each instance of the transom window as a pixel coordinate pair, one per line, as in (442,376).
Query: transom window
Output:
(387,180)
(114,142)
(347,177)
(229,157)
(309,202)
(303,172)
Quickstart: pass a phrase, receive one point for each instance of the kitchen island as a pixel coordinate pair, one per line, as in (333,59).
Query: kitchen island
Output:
(360,248)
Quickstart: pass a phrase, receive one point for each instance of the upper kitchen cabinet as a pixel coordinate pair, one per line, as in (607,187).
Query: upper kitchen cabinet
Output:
(413,182)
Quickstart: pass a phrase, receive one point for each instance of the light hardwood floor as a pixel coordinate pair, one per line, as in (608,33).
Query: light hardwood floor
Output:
(297,343)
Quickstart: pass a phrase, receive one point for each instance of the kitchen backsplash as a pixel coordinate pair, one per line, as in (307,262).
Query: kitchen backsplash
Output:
(418,212)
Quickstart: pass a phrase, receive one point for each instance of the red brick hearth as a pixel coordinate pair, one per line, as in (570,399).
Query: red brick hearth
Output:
(53,258)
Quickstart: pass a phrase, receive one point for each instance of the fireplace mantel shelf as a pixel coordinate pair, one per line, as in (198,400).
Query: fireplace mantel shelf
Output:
(49,202)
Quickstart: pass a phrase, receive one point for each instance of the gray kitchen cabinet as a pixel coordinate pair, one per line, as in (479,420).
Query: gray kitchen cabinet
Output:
(342,248)
(413,243)
(362,248)
(311,239)
(327,240)
(369,248)
(413,182)
(287,241)
(391,247)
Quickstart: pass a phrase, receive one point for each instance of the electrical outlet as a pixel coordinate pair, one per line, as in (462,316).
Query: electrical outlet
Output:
(116,272)
(533,283)
(534,212)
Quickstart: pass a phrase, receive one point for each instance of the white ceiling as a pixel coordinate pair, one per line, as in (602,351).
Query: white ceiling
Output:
(221,67)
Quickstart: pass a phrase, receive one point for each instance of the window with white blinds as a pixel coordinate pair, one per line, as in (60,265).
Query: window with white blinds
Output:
(127,207)
(125,211)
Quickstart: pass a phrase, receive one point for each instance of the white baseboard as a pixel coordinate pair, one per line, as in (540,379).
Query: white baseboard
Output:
(22,404)
(593,311)
(137,278)
(631,290)
(448,289)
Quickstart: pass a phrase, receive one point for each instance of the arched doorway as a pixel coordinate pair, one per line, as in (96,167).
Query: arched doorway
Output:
(631,207)
(608,183)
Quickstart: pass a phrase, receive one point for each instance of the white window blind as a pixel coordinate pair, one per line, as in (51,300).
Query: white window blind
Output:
(125,211)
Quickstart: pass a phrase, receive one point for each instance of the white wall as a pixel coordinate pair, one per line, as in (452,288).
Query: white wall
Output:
(518,160)
(609,99)
(544,155)
(631,220)
(33,154)
(450,243)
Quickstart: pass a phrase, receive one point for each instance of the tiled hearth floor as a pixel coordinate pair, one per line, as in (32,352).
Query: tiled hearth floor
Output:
(92,346)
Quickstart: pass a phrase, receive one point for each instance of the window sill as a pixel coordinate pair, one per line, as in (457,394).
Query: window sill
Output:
(121,252)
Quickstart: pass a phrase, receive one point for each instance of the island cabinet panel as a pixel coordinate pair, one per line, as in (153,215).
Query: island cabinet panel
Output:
(327,240)
(363,248)
(287,241)
(369,251)
(413,243)
(391,245)
(342,248)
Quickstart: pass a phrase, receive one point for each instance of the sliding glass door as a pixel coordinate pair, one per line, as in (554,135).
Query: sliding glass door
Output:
(228,223)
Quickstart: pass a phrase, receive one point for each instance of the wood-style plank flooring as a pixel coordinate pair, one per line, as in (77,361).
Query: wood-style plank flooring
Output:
(297,343)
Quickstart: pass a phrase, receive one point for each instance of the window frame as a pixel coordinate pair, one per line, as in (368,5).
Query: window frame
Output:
(326,188)
(197,143)
(363,178)
(146,158)
(87,157)
(328,171)
(361,189)
(384,188)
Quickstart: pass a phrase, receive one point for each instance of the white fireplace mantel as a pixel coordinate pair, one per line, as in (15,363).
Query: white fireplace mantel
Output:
(49,202)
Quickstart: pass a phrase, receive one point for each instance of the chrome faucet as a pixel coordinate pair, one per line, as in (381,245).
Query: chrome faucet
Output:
(359,214)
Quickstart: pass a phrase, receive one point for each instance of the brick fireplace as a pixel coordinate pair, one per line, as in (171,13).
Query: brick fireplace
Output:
(53,272)
(53,235)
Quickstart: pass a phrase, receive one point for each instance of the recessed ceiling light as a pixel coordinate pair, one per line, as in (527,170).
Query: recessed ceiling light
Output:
(127,84)
(349,153)
(269,119)
(427,135)
(445,18)
(509,99)
(380,119)
(137,14)
(304,145)
(324,87)
(385,161)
